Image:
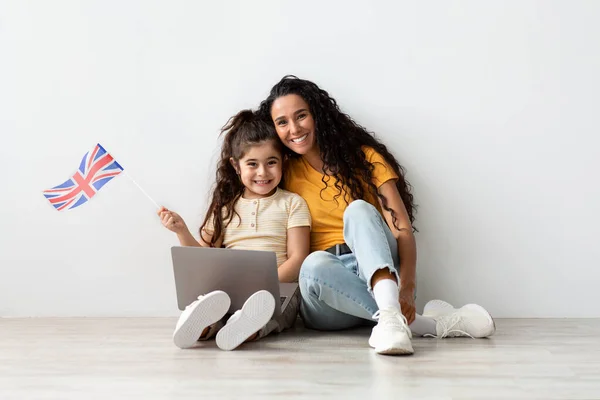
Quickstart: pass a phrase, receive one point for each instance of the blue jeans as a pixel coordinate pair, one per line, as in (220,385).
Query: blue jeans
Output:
(336,291)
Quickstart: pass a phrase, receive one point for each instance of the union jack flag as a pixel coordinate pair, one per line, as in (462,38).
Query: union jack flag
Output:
(96,169)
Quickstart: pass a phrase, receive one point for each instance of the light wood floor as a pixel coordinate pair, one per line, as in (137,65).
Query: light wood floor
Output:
(116,358)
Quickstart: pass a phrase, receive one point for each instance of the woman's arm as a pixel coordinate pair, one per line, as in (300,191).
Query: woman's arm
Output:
(407,249)
(298,247)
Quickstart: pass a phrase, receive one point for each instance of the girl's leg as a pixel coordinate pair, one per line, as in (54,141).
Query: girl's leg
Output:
(284,321)
(198,316)
(211,331)
(245,323)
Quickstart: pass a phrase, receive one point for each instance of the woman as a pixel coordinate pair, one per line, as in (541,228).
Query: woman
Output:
(363,261)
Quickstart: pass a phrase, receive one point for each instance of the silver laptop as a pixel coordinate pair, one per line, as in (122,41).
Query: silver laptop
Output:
(239,273)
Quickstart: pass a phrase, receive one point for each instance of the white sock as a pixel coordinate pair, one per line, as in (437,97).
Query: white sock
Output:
(422,326)
(386,294)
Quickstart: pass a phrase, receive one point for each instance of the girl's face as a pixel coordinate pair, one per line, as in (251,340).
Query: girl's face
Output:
(294,123)
(260,169)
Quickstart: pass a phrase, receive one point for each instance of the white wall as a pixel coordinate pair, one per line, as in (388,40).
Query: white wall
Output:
(489,105)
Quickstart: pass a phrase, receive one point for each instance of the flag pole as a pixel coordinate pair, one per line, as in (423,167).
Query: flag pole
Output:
(142,190)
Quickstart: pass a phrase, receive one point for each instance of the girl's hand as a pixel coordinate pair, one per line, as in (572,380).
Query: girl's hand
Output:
(172,221)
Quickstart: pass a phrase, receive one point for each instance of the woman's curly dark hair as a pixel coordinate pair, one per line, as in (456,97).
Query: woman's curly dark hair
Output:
(340,142)
(242,131)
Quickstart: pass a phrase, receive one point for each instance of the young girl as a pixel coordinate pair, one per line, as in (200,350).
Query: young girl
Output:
(248,211)
(363,265)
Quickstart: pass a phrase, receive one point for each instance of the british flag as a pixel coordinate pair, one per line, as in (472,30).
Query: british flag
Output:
(96,169)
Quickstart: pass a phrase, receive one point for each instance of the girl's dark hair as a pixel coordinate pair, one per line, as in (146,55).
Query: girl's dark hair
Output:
(242,131)
(340,140)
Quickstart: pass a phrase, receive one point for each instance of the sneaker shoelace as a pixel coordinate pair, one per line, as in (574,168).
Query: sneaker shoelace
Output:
(451,326)
(392,318)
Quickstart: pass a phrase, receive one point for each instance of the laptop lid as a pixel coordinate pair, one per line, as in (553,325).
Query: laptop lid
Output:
(239,273)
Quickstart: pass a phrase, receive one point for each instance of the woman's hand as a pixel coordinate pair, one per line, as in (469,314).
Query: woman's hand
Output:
(407,304)
(172,221)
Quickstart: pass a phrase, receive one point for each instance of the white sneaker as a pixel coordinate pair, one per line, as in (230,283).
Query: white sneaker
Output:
(470,320)
(391,335)
(203,312)
(255,314)
(437,308)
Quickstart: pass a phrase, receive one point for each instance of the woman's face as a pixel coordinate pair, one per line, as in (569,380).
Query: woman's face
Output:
(294,123)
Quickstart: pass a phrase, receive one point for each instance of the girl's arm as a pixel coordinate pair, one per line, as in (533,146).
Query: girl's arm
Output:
(187,239)
(205,239)
(173,222)
(298,247)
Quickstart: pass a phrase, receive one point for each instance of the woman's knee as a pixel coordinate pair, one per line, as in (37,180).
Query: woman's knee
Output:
(314,264)
(359,210)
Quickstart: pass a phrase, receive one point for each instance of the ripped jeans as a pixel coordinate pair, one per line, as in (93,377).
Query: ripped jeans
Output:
(336,292)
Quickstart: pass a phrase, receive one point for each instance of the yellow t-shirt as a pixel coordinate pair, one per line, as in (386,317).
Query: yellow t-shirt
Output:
(264,223)
(327,215)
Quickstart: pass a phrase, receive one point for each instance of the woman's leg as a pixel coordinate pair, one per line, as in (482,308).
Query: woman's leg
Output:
(333,296)
(335,293)
(371,241)
(376,251)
